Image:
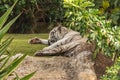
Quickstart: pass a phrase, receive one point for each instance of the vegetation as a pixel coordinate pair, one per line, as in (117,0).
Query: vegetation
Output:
(113,73)
(36,14)
(83,17)
(99,20)
(110,9)
(6,67)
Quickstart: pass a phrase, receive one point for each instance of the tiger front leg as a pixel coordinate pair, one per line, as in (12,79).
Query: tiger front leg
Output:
(52,52)
(38,41)
(56,51)
(59,43)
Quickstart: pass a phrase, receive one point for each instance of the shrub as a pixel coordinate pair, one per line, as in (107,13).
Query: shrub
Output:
(83,17)
(36,14)
(110,9)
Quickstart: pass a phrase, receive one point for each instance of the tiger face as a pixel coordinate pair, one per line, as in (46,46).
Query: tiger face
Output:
(56,34)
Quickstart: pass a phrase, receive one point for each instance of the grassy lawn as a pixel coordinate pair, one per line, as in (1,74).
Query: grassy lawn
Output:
(20,43)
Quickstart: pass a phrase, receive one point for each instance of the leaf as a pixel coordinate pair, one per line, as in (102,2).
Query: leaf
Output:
(5,46)
(4,17)
(87,4)
(27,77)
(7,26)
(17,77)
(8,70)
(7,6)
(3,58)
(4,64)
(105,4)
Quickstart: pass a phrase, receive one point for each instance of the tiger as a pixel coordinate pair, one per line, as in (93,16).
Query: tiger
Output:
(60,41)
(69,43)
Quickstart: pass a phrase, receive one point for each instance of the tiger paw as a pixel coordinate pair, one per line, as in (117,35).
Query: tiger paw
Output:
(34,41)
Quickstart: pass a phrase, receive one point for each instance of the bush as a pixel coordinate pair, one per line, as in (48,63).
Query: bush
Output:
(36,14)
(83,17)
(110,9)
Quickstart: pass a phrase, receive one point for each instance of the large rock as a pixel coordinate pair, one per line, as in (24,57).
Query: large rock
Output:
(63,68)
(78,67)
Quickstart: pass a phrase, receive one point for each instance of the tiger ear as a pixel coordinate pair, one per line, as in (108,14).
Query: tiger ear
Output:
(59,28)
(57,24)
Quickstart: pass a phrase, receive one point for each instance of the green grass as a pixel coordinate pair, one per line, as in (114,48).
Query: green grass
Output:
(20,43)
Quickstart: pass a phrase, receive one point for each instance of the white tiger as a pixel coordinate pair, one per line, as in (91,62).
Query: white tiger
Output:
(60,41)
(63,41)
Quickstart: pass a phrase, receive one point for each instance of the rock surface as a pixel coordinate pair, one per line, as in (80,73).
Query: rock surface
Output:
(61,68)
(58,68)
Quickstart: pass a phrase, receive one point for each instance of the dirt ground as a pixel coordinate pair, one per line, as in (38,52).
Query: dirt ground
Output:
(101,62)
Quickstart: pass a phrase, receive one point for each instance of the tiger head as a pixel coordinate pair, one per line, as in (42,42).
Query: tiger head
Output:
(57,33)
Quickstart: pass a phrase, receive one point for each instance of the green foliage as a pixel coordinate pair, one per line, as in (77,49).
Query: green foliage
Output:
(81,16)
(28,76)
(111,9)
(5,16)
(35,13)
(6,67)
(112,73)
(24,21)
(6,27)
(6,71)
